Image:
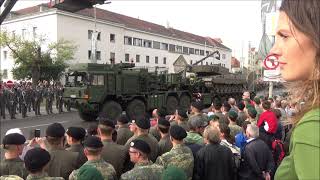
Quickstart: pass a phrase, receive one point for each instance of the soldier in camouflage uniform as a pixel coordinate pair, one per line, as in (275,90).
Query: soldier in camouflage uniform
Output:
(29,97)
(23,102)
(35,160)
(49,96)
(11,101)
(37,100)
(180,155)
(13,165)
(59,95)
(143,169)
(2,101)
(93,147)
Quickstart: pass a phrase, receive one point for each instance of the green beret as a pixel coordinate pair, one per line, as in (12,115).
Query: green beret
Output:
(93,142)
(86,172)
(143,123)
(140,145)
(257,100)
(173,173)
(13,139)
(163,123)
(249,106)
(77,133)
(55,130)
(252,112)
(233,115)
(35,159)
(213,118)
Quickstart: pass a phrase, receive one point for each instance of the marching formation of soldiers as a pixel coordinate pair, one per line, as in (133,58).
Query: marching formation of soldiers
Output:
(23,98)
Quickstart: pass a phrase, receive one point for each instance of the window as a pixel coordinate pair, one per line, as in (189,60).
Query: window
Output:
(172,48)
(34,32)
(98,80)
(179,49)
(185,50)
(137,58)
(156,45)
(89,54)
(127,57)
(191,51)
(191,62)
(5,55)
(147,59)
(128,40)
(147,43)
(207,53)
(112,57)
(112,37)
(202,63)
(156,60)
(98,55)
(90,33)
(137,42)
(5,73)
(197,51)
(164,60)
(164,46)
(206,63)
(223,56)
(23,33)
(202,52)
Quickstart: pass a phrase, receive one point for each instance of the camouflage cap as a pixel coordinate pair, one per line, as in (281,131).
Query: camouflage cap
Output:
(173,173)
(86,172)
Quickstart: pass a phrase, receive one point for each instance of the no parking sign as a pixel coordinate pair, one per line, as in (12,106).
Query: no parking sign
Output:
(272,69)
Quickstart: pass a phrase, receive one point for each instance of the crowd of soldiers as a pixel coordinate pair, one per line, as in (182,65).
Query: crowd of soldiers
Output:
(228,140)
(23,97)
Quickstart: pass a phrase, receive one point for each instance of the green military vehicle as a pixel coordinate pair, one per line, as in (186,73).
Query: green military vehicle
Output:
(109,89)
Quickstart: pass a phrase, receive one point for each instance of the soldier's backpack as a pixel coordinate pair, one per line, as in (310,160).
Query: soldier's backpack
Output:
(277,151)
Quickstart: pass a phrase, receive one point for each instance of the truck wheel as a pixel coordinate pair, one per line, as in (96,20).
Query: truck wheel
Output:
(111,109)
(87,117)
(185,102)
(172,104)
(136,108)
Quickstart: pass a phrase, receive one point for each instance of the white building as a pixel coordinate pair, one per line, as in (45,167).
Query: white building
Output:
(121,38)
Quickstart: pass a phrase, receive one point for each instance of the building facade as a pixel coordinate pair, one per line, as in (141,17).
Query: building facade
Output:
(120,38)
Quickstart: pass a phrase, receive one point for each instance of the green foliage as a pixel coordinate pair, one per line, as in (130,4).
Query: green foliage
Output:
(51,62)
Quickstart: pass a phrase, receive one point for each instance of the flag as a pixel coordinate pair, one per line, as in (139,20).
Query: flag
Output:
(264,47)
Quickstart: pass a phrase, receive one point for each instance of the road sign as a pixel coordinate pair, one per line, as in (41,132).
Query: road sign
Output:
(271,62)
(272,75)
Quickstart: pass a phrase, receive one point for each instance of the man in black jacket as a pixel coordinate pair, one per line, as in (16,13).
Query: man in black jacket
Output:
(257,161)
(214,161)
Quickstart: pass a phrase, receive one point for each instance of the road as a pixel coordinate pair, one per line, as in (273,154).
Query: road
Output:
(28,124)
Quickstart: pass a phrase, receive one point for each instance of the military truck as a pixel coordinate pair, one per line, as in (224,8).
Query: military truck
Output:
(109,89)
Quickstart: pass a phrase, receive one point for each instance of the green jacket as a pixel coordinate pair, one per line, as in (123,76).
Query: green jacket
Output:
(303,161)
(193,138)
(144,171)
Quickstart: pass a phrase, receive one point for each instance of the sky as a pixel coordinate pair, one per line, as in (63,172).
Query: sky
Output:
(237,23)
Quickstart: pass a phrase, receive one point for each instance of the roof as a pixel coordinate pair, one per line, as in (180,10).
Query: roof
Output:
(135,23)
(235,63)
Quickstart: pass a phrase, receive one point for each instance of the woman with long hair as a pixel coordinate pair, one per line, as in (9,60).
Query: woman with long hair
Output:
(297,48)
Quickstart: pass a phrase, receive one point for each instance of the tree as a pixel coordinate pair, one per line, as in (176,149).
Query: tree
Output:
(31,61)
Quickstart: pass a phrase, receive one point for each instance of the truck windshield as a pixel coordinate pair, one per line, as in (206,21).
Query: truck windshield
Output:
(76,79)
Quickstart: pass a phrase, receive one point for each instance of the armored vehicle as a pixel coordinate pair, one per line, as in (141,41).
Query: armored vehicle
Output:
(109,89)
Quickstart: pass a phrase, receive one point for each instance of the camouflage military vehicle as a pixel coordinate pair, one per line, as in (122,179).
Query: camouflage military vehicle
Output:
(110,89)
(214,81)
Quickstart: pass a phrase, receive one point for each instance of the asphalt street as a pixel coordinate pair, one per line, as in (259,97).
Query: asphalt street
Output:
(32,122)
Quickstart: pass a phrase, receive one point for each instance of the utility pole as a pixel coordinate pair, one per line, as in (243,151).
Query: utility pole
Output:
(94,37)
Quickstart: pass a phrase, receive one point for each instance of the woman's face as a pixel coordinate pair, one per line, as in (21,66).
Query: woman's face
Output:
(295,51)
